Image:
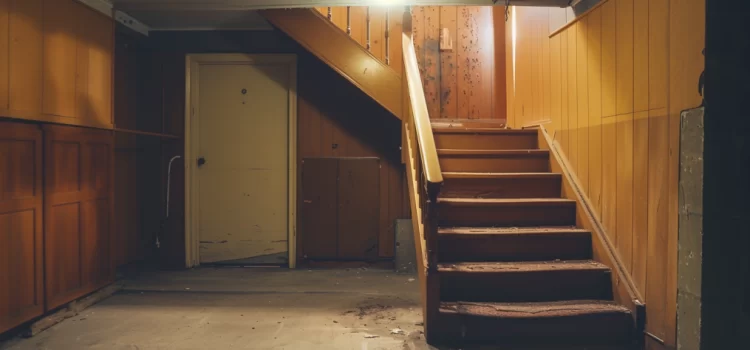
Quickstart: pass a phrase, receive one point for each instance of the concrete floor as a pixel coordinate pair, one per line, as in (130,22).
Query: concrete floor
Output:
(248,308)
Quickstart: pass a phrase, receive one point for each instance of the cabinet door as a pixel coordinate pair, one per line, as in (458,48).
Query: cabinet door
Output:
(20,224)
(4,53)
(59,61)
(99,34)
(319,209)
(25,60)
(77,212)
(359,208)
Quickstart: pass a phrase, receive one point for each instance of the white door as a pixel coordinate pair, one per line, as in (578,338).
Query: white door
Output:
(242,135)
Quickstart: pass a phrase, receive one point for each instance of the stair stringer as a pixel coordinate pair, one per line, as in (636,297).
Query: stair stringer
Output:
(342,53)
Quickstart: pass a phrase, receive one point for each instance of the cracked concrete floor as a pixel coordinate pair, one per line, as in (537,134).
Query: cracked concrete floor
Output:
(248,308)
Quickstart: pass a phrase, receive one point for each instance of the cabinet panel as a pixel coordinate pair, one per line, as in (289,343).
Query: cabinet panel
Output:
(4,46)
(25,60)
(318,208)
(21,297)
(59,60)
(77,212)
(359,208)
(100,37)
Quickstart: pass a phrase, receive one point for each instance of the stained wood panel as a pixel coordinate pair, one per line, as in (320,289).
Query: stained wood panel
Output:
(594,70)
(319,209)
(609,176)
(21,273)
(572,97)
(641,164)
(640,55)
(624,204)
(458,82)
(624,60)
(4,53)
(358,201)
(25,60)
(583,103)
(99,37)
(658,53)
(59,59)
(77,212)
(609,68)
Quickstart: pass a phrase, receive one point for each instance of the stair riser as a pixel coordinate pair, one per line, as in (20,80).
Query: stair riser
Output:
(514,247)
(534,286)
(560,214)
(584,330)
(485,141)
(496,164)
(542,187)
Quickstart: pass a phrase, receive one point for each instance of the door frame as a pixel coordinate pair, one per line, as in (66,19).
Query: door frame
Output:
(192,64)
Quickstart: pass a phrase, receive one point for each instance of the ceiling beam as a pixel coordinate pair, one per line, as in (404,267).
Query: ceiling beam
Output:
(208,5)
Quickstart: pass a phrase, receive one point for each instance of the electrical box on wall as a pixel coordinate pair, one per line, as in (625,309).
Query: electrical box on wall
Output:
(446,42)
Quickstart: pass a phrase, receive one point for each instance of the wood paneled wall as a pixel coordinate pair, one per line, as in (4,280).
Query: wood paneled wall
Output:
(335,119)
(21,215)
(610,87)
(459,83)
(56,62)
(77,212)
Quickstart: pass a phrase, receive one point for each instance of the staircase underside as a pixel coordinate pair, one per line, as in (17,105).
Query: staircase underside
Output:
(342,53)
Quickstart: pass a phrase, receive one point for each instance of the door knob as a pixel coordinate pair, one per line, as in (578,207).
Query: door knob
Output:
(201,161)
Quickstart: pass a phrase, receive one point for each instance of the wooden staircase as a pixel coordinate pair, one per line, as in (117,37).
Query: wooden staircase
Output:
(513,268)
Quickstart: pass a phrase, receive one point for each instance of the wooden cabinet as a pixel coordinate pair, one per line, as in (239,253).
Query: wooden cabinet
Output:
(59,56)
(340,208)
(77,212)
(21,288)
(25,59)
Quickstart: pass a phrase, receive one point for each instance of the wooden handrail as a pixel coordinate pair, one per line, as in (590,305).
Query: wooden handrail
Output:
(421,117)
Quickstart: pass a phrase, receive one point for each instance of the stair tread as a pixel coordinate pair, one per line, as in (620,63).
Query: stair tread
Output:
(492,152)
(501,201)
(551,309)
(510,230)
(470,175)
(474,130)
(521,266)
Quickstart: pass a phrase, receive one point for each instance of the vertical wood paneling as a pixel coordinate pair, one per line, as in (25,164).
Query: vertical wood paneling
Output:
(485,62)
(640,55)
(449,66)
(555,88)
(21,274)
(499,89)
(4,53)
(77,214)
(377,32)
(396,20)
(431,63)
(583,103)
(318,208)
(625,189)
(658,175)
(564,127)
(658,50)
(546,71)
(358,201)
(573,95)
(358,24)
(100,29)
(59,60)
(594,67)
(25,61)
(624,35)
(385,239)
(640,198)
(609,58)
(462,45)
(637,62)
(609,176)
